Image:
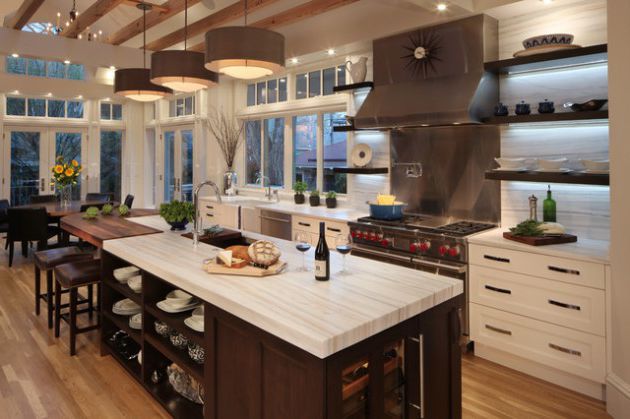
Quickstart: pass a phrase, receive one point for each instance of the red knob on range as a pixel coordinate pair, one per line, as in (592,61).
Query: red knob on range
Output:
(424,246)
(373,237)
(453,251)
(384,242)
(364,235)
(413,247)
(443,250)
(355,235)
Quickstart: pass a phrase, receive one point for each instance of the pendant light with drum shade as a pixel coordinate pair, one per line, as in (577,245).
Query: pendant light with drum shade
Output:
(244,52)
(183,71)
(135,83)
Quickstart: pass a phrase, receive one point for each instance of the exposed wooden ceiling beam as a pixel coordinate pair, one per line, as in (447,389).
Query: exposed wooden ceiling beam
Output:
(227,14)
(154,17)
(158,7)
(293,15)
(93,13)
(23,14)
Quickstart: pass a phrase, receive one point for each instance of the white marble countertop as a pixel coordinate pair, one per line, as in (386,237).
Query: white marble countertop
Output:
(288,207)
(584,249)
(319,317)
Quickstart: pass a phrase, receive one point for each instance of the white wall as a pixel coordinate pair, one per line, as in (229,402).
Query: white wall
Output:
(618,390)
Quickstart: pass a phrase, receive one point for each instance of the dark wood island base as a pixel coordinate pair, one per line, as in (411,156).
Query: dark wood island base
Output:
(411,370)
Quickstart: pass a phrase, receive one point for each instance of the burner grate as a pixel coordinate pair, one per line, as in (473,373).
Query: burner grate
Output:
(462,228)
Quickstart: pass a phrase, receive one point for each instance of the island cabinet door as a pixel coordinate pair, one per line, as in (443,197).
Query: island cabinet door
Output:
(255,375)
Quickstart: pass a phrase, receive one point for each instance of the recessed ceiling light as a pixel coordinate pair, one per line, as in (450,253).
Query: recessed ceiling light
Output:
(112,67)
(14,55)
(106,99)
(66,62)
(16,92)
(100,32)
(546,1)
(294,60)
(80,36)
(49,94)
(67,23)
(80,97)
(331,52)
(441,7)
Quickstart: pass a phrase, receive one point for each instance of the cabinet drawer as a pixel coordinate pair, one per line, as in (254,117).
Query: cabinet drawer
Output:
(566,270)
(310,225)
(569,305)
(578,353)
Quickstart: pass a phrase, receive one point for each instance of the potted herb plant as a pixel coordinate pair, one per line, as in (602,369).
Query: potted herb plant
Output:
(299,188)
(177,214)
(313,199)
(227,132)
(331,199)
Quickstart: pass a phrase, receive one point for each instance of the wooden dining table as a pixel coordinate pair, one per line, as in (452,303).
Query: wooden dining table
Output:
(56,210)
(107,227)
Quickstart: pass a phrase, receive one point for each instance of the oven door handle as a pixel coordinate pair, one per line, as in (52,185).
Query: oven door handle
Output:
(457,269)
(406,259)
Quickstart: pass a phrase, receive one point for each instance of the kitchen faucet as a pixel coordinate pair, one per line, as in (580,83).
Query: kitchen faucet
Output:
(261,179)
(196,220)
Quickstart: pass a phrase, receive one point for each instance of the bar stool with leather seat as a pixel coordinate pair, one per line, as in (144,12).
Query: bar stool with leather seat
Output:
(46,261)
(72,276)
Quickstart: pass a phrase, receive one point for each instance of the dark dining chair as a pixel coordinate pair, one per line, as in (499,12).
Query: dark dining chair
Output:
(42,199)
(100,197)
(29,225)
(129,200)
(4,218)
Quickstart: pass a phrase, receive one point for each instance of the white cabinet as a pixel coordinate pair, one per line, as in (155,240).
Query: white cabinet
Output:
(540,314)
(310,226)
(225,215)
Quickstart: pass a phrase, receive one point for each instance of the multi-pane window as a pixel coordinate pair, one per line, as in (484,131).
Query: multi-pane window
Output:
(267,91)
(52,108)
(111,162)
(319,82)
(264,142)
(305,150)
(182,106)
(111,111)
(335,152)
(41,68)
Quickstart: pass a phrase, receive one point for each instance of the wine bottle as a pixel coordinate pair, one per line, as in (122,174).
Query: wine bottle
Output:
(549,207)
(322,256)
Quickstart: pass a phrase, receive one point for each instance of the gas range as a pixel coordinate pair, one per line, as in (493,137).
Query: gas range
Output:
(417,235)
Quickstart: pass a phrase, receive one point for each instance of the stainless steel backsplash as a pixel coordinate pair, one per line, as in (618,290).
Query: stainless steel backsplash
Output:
(453,161)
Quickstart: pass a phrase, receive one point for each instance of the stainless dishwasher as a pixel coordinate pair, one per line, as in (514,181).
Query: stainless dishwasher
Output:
(275,224)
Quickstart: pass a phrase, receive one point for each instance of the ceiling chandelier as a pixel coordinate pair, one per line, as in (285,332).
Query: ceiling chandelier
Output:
(135,83)
(183,71)
(244,52)
(74,13)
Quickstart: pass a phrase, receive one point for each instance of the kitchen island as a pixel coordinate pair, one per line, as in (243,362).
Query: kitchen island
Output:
(381,342)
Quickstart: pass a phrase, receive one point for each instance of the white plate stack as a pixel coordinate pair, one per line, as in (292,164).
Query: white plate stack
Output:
(196,320)
(135,283)
(126,307)
(178,301)
(122,275)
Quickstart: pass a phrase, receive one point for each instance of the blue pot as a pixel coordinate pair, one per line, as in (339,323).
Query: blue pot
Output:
(387,212)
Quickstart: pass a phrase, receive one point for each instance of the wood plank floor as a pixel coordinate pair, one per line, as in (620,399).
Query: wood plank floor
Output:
(38,379)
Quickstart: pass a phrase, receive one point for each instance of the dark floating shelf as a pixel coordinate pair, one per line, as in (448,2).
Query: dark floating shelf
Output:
(122,322)
(173,402)
(551,177)
(547,117)
(549,60)
(354,86)
(362,170)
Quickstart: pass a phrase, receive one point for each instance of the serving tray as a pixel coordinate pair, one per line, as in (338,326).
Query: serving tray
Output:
(541,240)
(213,268)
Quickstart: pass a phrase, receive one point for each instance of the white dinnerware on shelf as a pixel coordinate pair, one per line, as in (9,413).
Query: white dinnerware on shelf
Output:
(122,275)
(135,283)
(135,321)
(165,306)
(126,307)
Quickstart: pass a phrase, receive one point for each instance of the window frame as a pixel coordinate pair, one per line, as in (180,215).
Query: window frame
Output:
(278,82)
(111,105)
(47,64)
(44,117)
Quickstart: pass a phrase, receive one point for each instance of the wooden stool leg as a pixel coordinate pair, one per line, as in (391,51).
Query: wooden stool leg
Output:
(73,321)
(49,296)
(57,308)
(90,301)
(38,289)
(25,248)
(98,304)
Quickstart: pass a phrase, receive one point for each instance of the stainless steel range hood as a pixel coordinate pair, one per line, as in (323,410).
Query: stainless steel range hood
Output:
(433,76)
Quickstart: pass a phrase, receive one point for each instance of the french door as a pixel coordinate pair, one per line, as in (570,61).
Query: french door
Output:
(178,163)
(29,155)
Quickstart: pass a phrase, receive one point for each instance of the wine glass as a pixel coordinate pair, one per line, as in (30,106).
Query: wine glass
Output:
(302,244)
(343,244)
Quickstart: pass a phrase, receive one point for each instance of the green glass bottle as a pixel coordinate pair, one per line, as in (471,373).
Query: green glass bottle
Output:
(549,207)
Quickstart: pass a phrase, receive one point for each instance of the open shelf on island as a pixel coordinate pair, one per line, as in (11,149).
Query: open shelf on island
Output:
(547,117)
(354,86)
(550,177)
(550,60)
(176,321)
(131,365)
(177,405)
(122,322)
(362,170)
(124,290)
(178,356)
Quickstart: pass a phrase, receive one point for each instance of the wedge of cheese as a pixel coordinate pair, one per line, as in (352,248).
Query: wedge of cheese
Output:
(226,258)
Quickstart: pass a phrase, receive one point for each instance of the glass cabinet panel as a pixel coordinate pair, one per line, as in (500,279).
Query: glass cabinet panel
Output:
(394,380)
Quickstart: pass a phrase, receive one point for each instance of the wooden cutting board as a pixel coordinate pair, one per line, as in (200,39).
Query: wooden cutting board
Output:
(541,240)
(213,268)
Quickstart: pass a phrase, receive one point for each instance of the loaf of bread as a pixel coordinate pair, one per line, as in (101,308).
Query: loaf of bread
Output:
(240,252)
(264,253)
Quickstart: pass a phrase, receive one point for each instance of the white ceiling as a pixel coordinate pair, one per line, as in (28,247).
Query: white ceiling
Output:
(361,21)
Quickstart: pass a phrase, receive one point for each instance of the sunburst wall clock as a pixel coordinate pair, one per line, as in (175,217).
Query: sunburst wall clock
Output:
(424,51)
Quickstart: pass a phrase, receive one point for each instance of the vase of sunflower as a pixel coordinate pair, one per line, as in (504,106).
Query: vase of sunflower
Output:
(65,176)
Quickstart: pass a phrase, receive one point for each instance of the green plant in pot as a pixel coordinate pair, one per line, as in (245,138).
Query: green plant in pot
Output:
(313,199)
(299,188)
(331,199)
(177,214)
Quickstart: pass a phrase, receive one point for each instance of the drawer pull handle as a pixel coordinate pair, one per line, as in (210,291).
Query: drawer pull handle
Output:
(565,350)
(496,259)
(495,289)
(499,330)
(563,270)
(336,230)
(564,305)
(304,224)
(209,207)
(209,214)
